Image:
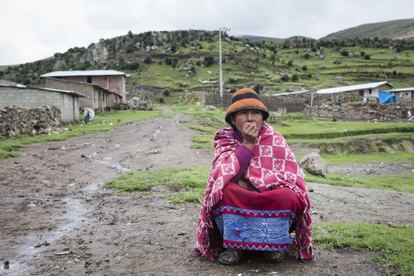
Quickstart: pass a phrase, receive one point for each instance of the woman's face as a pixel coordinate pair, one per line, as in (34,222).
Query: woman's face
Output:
(251,116)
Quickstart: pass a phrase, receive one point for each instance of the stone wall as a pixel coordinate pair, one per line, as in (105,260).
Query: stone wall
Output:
(17,120)
(359,111)
(287,103)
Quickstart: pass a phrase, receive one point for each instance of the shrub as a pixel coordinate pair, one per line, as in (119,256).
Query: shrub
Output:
(147,60)
(232,80)
(208,61)
(345,53)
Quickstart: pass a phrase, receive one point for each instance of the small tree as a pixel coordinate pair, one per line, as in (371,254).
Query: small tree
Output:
(257,87)
(208,61)
(147,60)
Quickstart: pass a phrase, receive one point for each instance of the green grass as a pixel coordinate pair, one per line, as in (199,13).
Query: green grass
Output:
(402,182)
(205,122)
(325,128)
(189,181)
(342,139)
(9,147)
(394,244)
(202,142)
(369,158)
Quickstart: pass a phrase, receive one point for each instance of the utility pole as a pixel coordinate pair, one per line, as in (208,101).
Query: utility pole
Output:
(220,65)
(220,69)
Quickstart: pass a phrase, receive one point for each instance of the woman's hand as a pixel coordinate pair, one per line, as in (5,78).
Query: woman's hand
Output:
(249,134)
(243,183)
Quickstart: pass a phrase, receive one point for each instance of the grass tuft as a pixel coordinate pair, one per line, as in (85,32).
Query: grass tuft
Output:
(190,181)
(395,243)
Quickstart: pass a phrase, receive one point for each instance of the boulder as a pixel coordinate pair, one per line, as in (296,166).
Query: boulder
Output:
(313,164)
(210,108)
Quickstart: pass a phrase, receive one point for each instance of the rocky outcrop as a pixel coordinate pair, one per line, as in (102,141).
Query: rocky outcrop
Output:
(17,121)
(97,52)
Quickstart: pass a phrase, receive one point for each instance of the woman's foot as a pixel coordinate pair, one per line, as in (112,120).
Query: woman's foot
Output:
(275,256)
(230,256)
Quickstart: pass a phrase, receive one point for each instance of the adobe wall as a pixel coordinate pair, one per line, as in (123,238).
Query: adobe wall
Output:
(85,89)
(112,83)
(32,98)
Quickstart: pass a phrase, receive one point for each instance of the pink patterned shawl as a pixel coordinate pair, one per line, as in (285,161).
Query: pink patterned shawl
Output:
(273,166)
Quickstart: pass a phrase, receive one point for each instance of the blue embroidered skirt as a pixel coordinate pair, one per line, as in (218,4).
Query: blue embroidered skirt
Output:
(247,219)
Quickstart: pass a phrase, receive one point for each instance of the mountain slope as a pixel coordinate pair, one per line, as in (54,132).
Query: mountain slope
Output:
(187,61)
(395,29)
(259,38)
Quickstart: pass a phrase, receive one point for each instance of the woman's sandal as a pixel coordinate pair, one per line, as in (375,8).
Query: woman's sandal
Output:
(275,256)
(230,256)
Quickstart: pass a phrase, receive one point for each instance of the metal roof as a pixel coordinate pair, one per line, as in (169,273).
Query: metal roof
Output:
(83,73)
(21,86)
(351,88)
(402,89)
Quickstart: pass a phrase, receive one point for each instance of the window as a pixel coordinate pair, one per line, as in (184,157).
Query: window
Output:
(89,79)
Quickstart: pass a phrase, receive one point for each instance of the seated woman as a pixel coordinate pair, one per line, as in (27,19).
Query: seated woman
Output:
(256,196)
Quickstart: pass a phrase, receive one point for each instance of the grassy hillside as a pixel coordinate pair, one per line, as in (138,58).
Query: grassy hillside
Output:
(188,61)
(390,29)
(288,69)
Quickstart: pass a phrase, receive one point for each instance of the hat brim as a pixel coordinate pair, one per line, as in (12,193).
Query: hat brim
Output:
(229,114)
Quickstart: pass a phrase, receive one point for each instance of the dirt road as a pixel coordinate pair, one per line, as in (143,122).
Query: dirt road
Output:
(57,220)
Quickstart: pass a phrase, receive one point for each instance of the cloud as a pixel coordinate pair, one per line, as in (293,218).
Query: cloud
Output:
(33,30)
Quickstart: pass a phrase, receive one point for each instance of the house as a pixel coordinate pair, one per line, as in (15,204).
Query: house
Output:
(403,95)
(369,91)
(107,79)
(97,97)
(31,97)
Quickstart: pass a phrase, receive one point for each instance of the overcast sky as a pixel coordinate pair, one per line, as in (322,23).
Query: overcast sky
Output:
(35,29)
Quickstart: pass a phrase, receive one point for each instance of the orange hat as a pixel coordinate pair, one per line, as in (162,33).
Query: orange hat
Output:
(245,98)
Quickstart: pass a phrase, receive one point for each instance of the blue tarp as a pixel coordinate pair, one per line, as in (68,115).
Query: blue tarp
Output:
(386,97)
